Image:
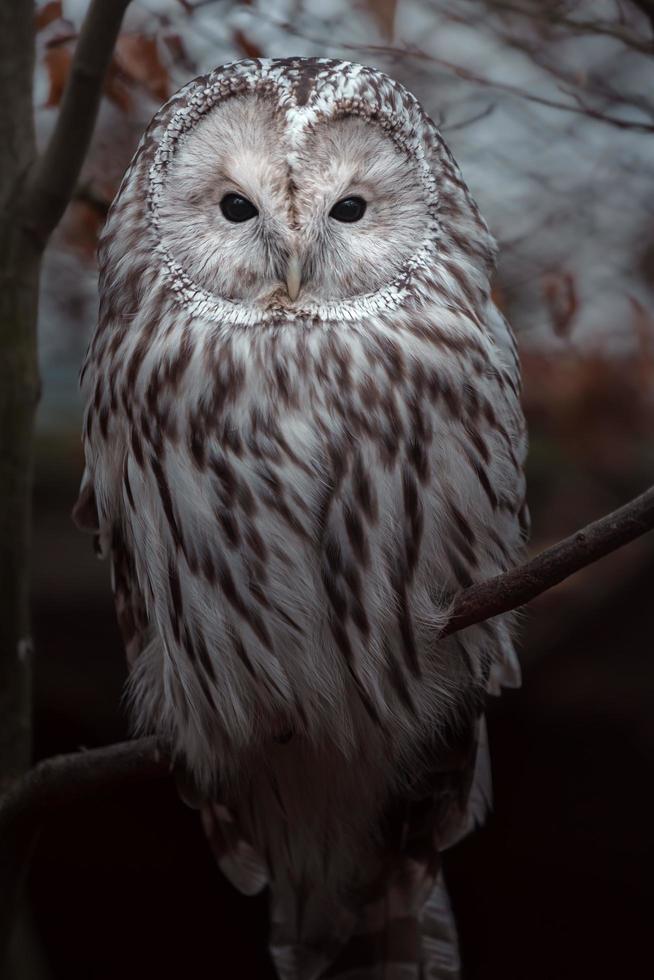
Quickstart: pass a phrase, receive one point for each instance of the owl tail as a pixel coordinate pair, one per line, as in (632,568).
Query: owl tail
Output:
(440,941)
(238,860)
(400,926)
(403,930)
(383,941)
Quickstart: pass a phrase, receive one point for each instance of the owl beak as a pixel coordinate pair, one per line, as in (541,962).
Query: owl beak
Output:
(293,276)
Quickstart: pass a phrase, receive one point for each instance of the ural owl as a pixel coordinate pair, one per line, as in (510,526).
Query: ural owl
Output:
(303,437)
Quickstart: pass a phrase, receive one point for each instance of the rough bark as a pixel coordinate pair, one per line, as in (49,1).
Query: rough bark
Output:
(33,196)
(19,382)
(54,176)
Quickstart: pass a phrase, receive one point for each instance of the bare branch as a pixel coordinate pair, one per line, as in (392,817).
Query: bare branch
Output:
(55,175)
(574,26)
(470,76)
(466,75)
(520,585)
(470,121)
(56,784)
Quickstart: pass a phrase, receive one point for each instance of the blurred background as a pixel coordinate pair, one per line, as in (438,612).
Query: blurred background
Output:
(549,109)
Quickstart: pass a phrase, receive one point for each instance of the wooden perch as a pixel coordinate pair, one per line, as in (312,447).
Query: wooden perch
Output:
(54,785)
(61,782)
(55,174)
(522,584)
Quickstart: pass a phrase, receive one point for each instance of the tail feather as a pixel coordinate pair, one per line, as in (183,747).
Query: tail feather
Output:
(396,922)
(238,860)
(440,941)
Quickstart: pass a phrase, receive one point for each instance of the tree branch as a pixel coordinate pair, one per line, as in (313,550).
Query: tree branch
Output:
(55,175)
(520,585)
(56,784)
(465,74)
(549,15)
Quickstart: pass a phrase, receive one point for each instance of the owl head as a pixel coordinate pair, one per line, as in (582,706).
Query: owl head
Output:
(255,214)
(294,187)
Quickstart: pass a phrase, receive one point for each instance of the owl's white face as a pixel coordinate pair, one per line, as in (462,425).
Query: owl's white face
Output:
(249,219)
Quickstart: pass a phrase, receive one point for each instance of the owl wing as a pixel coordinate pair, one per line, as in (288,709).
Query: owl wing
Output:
(407,923)
(110,542)
(234,854)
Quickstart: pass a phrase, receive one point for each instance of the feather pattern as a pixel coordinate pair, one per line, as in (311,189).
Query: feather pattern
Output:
(291,498)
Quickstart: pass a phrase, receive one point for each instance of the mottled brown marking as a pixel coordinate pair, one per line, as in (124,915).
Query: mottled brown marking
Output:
(463,524)
(457,565)
(478,442)
(482,476)
(405,624)
(417,455)
(229,525)
(335,593)
(398,678)
(226,475)
(103,421)
(451,399)
(241,652)
(255,542)
(137,447)
(176,610)
(138,355)
(196,442)
(208,567)
(166,500)
(356,534)
(235,599)
(364,490)
(177,365)
(127,485)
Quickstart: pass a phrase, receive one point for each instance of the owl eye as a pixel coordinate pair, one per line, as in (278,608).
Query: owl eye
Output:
(237,208)
(349,209)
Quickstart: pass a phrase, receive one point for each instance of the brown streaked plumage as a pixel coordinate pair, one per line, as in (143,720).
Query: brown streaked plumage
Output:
(302,438)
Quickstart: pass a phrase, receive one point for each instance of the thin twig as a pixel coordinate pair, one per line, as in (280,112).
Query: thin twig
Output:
(520,585)
(464,123)
(465,74)
(55,175)
(56,784)
(573,26)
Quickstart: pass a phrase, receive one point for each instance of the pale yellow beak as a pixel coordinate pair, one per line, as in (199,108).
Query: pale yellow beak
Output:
(293,276)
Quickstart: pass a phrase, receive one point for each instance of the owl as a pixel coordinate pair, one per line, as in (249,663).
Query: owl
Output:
(303,438)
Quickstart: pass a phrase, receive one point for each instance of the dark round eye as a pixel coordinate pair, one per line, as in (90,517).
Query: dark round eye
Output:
(237,208)
(349,209)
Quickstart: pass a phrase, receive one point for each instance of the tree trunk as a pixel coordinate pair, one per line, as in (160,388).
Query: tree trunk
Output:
(19,382)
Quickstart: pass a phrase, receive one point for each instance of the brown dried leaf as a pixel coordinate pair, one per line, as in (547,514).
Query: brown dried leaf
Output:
(57,62)
(137,59)
(245,45)
(48,13)
(499,298)
(81,228)
(560,295)
(116,87)
(177,50)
